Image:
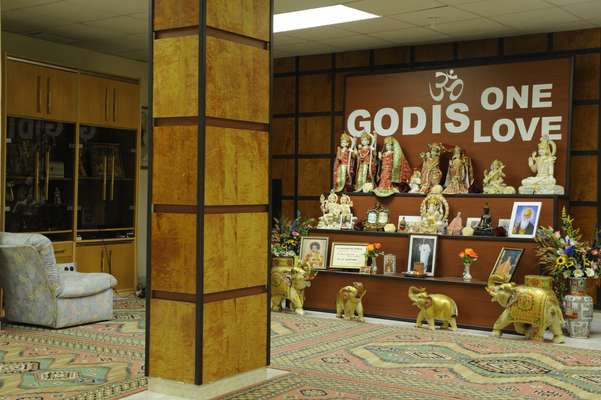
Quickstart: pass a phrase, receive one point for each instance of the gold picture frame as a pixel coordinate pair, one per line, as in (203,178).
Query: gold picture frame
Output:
(373,218)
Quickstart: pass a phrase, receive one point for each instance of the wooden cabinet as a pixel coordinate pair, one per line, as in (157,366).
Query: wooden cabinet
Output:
(117,259)
(63,251)
(126,105)
(108,102)
(35,91)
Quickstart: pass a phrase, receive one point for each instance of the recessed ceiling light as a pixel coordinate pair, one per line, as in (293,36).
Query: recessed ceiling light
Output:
(320,16)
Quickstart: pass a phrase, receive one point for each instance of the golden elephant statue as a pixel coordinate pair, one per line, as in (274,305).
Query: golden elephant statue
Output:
(532,310)
(434,307)
(290,283)
(349,302)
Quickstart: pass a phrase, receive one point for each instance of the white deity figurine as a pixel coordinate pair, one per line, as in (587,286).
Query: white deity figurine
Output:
(415,182)
(542,163)
(494,179)
(331,211)
(347,219)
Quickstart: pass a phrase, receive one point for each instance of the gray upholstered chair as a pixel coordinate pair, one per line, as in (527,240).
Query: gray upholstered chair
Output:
(36,293)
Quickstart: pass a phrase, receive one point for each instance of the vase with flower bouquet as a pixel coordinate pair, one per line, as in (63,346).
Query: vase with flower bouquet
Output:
(285,238)
(468,257)
(373,251)
(570,261)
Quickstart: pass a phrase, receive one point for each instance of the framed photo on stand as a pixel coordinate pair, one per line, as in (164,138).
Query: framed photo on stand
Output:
(524,219)
(348,256)
(314,251)
(389,264)
(507,262)
(422,254)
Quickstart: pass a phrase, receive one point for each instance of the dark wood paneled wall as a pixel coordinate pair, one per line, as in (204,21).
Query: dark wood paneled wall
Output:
(309,94)
(209,189)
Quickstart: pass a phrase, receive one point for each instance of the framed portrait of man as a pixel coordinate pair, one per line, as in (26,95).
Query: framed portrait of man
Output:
(422,251)
(314,251)
(524,219)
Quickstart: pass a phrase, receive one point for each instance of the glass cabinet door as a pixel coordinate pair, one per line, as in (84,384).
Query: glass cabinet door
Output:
(39,177)
(106,183)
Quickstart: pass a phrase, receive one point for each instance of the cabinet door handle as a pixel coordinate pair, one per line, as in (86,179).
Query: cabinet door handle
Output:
(110,261)
(114,104)
(38,91)
(48,95)
(102,260)
(106,104)
(112,177)
(47,182)
(59,251)
(36,190)
(105,161)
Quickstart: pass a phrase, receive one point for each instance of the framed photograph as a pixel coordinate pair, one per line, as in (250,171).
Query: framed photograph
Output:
(472,222)
(314,251)
(348,255)
(504,223)
(389,264)
(383,215)
(376,218)
(409,220)
(347,222)
(524,219)
(422,251)
(507,262)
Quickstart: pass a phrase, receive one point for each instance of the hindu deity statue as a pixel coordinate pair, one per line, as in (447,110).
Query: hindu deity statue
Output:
(415,182)
(347,218)
(494,179)
(460,175)
(366,164)
(431,174)
(394,168)
(434,212)
(331,211)
(542,163)
(344,164)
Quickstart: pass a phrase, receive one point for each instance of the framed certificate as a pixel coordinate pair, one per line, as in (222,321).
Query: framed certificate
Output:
(348,255)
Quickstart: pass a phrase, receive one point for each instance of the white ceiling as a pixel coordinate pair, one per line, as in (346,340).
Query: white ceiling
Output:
(119,26)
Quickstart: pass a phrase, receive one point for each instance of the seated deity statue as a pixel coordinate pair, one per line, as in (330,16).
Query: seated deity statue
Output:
(434,212)
(542,163)
(331,212)
(494,179)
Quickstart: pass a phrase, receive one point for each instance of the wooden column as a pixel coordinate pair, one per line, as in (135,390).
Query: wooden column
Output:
(208,314)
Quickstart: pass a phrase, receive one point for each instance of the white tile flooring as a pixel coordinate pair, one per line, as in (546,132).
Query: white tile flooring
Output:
(216,389)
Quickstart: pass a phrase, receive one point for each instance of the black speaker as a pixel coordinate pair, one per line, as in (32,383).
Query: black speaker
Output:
(276,198)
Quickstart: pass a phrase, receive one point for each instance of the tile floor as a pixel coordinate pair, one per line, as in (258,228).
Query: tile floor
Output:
(216,389)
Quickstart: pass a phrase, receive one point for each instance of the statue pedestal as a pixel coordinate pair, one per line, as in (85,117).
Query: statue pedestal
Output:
(547,189)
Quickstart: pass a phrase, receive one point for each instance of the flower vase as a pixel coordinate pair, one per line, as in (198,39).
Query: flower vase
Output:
(467,276)
(578,309)
(374,265)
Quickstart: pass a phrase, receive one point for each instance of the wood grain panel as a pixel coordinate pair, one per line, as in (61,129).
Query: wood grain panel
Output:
(314,134)
(585,127)
(234,333)
(586,77)
(63,251)
(172,340)
(174,252)
(174,164)
(434,52)
(288,209)
(584,178)
(392,55)
(317,61)
(315,93)
(236,167)
(585,218)
(284,64)
(526,44)
(338,127)
(339,93)
(244,17)
(170,14)
(235,251)
(309,208)
(313,177)
(352,59)
(175,77)
(478,48)
(284,170)
(282,136)
(284,94)
(237,81)
(583,39)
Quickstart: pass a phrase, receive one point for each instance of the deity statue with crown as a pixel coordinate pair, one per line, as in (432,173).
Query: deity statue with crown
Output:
(344,164)
(460,175)
(434,212)
(366,164)
(331,211)
(394,168)
(431,175)
(542,163)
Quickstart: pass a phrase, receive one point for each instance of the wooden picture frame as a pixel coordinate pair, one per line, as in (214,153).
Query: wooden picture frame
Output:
(348,256)
(389,267)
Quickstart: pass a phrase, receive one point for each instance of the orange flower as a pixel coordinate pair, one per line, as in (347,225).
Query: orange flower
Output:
(462,254)
(378,246)
(370,247)
(471,253)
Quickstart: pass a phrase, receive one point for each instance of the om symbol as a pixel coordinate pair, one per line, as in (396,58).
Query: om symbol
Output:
(448,83)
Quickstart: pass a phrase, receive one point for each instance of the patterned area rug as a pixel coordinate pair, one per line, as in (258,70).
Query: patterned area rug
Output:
(335,359)
(90,362)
